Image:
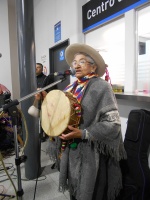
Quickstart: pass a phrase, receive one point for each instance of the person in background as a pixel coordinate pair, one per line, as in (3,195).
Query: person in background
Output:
(40,76)
(88,156)
(6,130)
(42,79)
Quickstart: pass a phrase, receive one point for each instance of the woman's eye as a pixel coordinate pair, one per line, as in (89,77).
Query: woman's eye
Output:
(82,61)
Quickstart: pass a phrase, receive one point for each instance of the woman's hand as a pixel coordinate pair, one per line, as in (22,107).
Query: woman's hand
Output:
(41,95)
(38,97)
(44,93)
(74,133)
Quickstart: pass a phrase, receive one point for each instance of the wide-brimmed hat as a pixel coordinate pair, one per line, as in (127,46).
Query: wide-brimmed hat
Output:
(73,49)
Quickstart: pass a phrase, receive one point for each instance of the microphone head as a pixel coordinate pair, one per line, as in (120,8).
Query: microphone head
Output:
(67,72)
(56,73)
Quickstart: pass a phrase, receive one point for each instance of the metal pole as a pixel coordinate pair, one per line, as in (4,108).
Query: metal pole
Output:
(26,51)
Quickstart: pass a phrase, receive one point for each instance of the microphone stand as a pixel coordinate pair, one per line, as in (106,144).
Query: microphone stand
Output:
(13,112)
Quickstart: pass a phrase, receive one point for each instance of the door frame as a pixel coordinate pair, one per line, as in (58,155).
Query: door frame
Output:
(51,53)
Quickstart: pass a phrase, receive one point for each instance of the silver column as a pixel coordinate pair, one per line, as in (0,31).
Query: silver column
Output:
(26,51)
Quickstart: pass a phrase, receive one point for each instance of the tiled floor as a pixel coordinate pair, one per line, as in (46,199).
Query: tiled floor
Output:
(47,184)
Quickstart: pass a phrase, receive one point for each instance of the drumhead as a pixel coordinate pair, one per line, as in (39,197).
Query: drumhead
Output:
(55,113)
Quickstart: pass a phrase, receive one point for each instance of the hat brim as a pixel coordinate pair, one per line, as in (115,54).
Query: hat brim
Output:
(73,49)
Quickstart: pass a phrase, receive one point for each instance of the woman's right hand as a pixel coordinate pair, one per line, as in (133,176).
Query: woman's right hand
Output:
(74,133)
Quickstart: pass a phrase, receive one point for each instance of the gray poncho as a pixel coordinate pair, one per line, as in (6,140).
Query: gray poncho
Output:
(92,171)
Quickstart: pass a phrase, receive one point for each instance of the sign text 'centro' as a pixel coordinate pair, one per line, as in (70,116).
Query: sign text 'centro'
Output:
(98,12)
(101,8)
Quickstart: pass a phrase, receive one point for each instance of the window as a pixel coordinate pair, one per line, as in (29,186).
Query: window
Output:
(109,40)
(143,64)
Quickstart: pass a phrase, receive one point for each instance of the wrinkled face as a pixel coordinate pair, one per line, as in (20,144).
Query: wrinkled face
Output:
(38,70)
(82,66)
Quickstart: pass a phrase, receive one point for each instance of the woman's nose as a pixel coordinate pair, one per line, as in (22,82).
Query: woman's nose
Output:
(77,66)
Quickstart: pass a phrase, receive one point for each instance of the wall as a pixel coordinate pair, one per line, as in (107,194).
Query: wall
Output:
(9,75)
(5,65)
(47,14)
(14,63)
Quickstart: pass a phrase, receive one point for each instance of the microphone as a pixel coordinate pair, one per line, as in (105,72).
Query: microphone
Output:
(65,73)
(50,78)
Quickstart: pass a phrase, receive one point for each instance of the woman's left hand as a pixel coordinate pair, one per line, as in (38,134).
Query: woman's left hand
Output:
(74,133)
(41,95)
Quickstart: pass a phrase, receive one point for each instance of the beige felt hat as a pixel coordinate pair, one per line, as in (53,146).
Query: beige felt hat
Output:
(72,49)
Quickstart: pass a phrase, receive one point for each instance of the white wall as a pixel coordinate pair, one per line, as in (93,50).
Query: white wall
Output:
(9,72)
(14,62)
(5,65)
(50,12)
(130,51)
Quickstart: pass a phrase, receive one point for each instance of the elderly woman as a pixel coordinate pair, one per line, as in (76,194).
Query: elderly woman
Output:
(89,163)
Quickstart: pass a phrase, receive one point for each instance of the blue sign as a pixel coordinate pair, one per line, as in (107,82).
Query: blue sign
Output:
(62,55)
(95,13)
(57,31)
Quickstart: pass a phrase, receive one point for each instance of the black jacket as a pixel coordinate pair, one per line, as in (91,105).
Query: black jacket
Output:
(40,80)
(43,80)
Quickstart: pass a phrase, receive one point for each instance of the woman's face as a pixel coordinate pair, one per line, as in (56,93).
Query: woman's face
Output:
(82,66)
